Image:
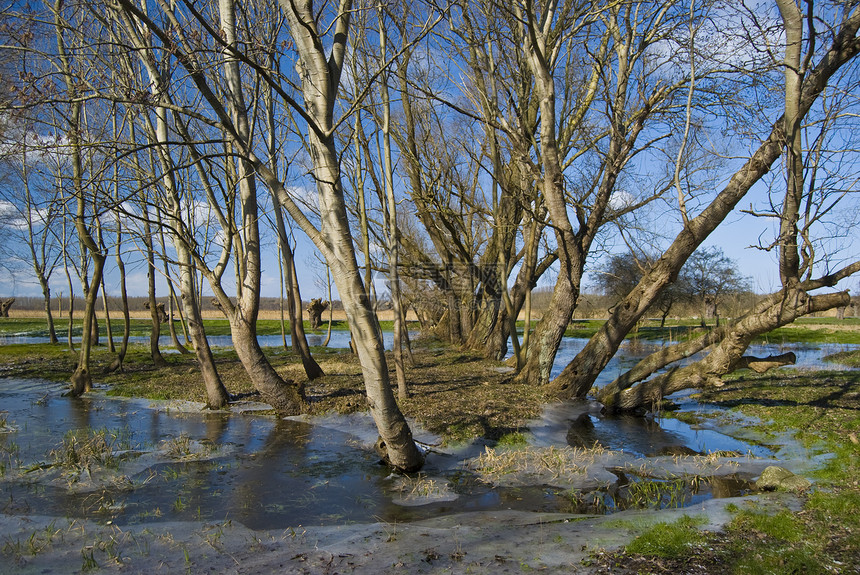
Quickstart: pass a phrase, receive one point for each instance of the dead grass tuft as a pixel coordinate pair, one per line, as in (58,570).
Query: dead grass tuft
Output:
(558,464)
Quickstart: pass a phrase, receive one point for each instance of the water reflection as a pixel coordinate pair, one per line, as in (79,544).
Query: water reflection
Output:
(270,474)
(581,424)
(262,472)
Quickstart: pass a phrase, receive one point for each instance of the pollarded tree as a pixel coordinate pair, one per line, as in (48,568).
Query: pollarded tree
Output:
(625,96)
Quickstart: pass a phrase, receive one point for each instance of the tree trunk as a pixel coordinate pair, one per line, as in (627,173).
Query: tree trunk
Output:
(70,341)
(155,329)
(577,378)
(550,330)
(330,307)
(49,316)
(108,327)
(727,355)
(320,72)
(286,398)
(81,379)
(283,281)
(217,396)
(123,292)
(172,297)
(297,323)
(391,220)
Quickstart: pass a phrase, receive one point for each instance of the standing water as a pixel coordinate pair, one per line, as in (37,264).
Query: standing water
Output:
(135,461)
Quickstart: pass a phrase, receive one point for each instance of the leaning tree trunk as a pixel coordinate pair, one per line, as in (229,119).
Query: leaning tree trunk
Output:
(297,323)
(335,241)
(320,73)
(216,394)
(727,356)
(577,378)
(171,326)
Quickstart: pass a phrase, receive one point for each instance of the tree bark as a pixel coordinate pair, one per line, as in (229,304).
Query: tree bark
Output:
(577,378)
(320,74)
(81,379)
(391,219)
(116,364)
(155,329)
(297,322)
(727,356)
(171,326)
(286,398)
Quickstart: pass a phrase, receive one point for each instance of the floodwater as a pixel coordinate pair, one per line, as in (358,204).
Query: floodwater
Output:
(162,462)
(809,355)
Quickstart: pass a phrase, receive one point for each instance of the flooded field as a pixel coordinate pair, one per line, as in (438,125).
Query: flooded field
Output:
(110,476)
(132,461)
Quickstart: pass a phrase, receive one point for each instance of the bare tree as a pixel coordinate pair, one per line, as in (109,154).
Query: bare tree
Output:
(806,78)
(81,379)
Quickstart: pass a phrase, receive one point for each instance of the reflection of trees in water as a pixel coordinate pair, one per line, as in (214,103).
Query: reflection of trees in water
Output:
(271,477)
(623,431)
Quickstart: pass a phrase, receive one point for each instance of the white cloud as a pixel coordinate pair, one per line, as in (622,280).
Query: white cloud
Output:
(13,217)
(620,200)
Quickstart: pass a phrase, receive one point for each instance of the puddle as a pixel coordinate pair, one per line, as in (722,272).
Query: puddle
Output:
(162,462)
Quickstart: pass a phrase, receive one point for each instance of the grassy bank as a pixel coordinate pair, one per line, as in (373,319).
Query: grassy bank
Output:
(36,327)
(804,330)
(822,410)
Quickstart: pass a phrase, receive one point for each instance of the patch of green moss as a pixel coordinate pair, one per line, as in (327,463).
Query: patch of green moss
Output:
(670,540)
(514,439)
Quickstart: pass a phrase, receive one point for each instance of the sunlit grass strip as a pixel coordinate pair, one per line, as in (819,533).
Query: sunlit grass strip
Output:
(670,540)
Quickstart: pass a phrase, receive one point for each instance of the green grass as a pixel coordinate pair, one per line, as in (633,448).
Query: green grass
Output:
(821,411)
(36,327)
(846,358)
(765,543)
(515,439)
(796,333)
(670,540)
